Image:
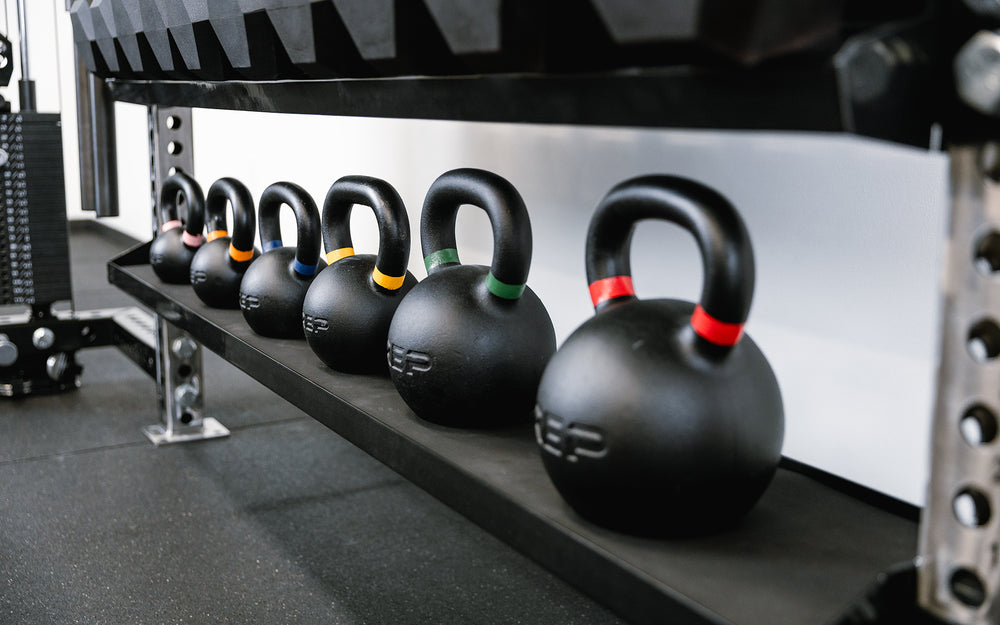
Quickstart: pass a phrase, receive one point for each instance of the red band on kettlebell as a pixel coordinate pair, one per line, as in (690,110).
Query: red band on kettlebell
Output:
(714,331)
(170,225)
(192,240)
(609,288)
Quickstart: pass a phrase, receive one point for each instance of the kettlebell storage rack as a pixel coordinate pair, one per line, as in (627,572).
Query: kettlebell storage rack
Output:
(805,554)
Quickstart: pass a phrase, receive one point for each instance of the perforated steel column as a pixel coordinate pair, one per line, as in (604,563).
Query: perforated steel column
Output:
(180,383)
(959,569)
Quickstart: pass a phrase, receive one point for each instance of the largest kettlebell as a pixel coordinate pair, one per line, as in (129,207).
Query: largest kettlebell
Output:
(274,286)
(661,416)
(218,267)
(172,250)
(468,344)
(348,308)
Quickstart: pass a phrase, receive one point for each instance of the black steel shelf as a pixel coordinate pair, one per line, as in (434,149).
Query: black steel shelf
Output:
(800,99)
(802,556)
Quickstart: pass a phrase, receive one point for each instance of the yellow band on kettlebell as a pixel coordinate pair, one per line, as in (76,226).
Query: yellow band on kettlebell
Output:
(390,283)
(215,234)
(335,255)
(239,255)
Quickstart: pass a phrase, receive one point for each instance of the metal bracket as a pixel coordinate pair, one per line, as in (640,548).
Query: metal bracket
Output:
(180,383)
(959,574)
(180,386)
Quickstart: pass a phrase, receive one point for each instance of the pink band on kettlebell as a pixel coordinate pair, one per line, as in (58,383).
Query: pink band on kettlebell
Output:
(610,288)
(714,331)
(192,240)
(170,225)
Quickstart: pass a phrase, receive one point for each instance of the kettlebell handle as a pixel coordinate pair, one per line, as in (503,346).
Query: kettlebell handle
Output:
(508,216)
(306,220)
(181,184)
(233,192)
(718,229)
(393,226)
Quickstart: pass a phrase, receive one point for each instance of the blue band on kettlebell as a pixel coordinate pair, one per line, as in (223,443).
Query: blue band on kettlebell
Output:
(303,270)
(270,245)
(502,289)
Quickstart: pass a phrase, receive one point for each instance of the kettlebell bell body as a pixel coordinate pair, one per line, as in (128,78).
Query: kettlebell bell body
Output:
(274,286)
(349,306)
(660,417)
(173,249)
(468,344)
(218,266)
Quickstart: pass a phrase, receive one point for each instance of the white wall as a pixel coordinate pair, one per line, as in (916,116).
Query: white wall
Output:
(848,235)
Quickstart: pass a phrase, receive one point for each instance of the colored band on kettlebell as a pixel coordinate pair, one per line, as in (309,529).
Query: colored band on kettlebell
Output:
(440,257)
(170,225)
(270,245)
(502,289)
(192,240)
(610,288)
(303,270)
(390,283)
(215,234)
(714,331)
(335,255)
(239,255)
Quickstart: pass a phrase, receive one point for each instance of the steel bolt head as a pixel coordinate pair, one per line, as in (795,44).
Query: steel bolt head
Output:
(43,338)
(184,347)
(186,395)
(8,351)
(977,72)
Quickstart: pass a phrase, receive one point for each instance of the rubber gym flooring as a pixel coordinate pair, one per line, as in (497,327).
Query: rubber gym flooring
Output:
(283,522)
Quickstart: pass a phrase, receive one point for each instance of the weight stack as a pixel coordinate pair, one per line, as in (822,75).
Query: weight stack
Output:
(34,243)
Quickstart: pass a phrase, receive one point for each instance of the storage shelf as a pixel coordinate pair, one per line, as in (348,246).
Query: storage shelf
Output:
(802,99)
(802,556)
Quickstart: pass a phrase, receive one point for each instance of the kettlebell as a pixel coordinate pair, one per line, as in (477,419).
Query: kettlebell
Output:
(348,308)
(662,417)
(275,284)
(218,266)
(468,344)
(172,250)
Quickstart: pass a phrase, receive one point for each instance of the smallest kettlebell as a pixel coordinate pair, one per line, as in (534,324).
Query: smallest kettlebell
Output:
(273,288)
(172,250)
(348,308)
(218,267)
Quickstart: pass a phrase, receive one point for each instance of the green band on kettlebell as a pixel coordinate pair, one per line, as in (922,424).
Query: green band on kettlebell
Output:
(440,257)
(502,289)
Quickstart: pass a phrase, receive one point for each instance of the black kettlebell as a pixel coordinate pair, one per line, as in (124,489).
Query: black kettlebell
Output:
(468,344)
(218,266)
(275,284)
(660,416)
(348,308)
(172,250)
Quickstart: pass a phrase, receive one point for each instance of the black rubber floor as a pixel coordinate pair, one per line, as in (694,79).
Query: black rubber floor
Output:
(283,522)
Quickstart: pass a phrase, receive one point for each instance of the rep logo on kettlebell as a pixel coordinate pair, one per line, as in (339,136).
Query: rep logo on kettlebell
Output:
(314,325)
(681,405)
(249,302)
